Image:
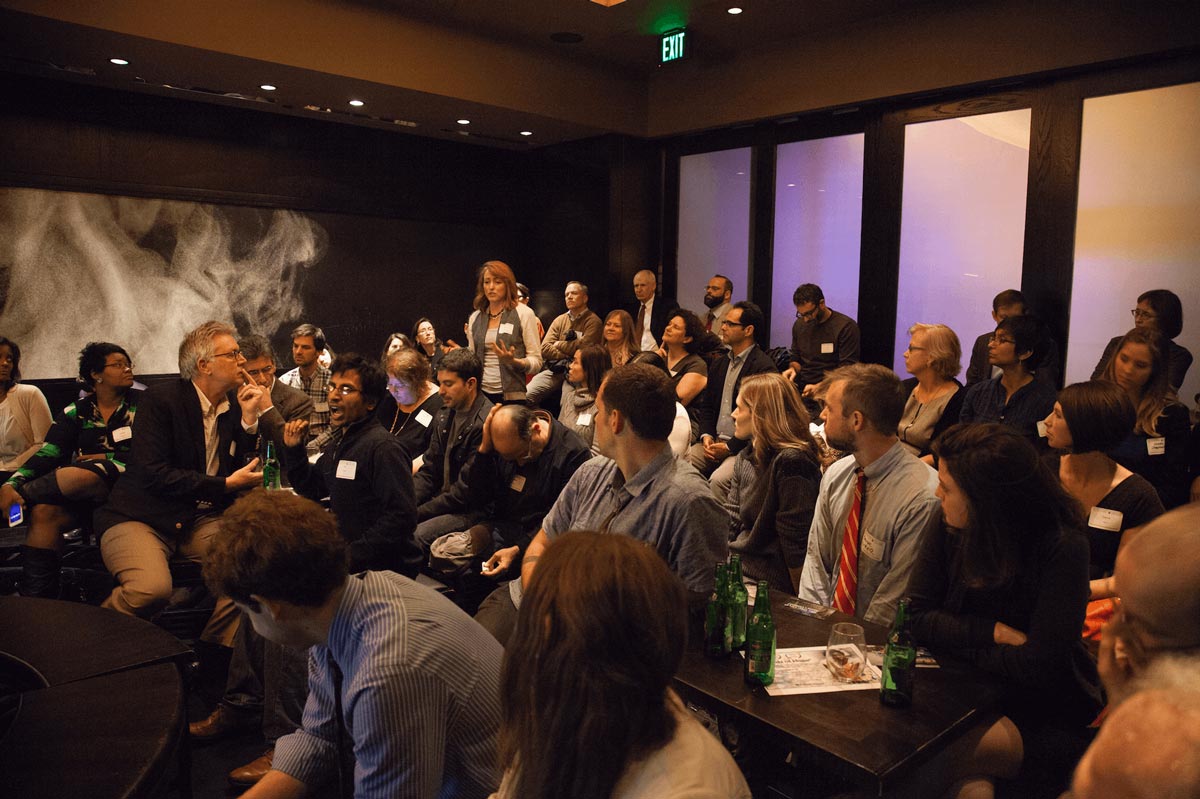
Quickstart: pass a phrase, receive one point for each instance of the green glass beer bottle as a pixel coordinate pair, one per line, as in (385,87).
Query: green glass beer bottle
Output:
(270,468)
(718,631)
(899,661)
(760,640)
(739,597)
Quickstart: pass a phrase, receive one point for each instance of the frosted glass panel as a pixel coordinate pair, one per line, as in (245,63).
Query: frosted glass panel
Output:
(1139,219)
(714,224)
(818,226)
(963,224)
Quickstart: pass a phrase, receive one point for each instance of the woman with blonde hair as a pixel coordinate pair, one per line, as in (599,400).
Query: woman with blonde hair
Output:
(775,480)
(934,359)
(618,337)
(587,710)
(503,333)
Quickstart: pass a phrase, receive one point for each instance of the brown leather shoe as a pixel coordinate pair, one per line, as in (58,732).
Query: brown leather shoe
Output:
(221,723)
(253,771)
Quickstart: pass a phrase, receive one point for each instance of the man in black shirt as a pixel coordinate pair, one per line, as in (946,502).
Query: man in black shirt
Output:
(822,340)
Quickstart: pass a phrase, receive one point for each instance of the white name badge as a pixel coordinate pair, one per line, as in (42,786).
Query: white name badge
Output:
(1156,446)
(871,546)
(232,448)
(346,470)
(1106,519)
(584,419)
(122,433)
(321,407)
(424,418)
(518,483)
(505,329)
(827,348)
(1041,429)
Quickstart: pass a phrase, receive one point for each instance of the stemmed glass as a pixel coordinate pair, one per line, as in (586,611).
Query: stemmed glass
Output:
(845,655)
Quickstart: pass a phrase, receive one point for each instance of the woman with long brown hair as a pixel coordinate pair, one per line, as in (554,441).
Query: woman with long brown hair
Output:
(503,333)
(587,710)
(577,410)
(618,337)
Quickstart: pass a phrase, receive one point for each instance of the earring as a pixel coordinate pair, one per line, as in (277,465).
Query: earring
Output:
(99,380)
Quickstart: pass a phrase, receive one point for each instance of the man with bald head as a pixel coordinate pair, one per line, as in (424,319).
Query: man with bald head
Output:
(650,312)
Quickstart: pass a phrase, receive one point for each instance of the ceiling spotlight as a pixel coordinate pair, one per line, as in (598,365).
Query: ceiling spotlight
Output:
(266,87)
(356,103)
(791,185)
(121,62)
(527,133)
(464,121)
(735,10)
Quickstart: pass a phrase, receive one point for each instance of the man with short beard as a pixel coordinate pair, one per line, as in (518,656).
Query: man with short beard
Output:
(718,299)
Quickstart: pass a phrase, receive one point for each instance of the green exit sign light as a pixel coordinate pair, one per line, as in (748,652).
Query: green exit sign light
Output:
(674,46)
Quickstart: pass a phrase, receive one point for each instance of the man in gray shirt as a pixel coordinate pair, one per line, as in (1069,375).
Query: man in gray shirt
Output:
(873,504)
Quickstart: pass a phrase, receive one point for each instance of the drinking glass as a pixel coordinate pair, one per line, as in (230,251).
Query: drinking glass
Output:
(845,655)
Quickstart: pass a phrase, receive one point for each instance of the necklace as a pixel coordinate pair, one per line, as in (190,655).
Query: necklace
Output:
(495,315)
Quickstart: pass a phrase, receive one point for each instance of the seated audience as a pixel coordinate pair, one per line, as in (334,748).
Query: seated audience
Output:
(687,369)
(85,452)
(523,298)
(681,430)
(935,396)
(502,333)
(1088,420)
(1001,582)
(24,412)
(396,341)
(576,328)
(1010,302)
(822,340)
(1159,310)
(577,409)
(775,481)
(411,403)
(398,676)
(617,337)
(650,312)
(859,558)
(279,403)
(311,377)
(1157,446)
(428,344)
(588,710)
(1013,398)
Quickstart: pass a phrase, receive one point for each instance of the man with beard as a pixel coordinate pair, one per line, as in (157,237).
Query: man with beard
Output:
(873,504)
(718,299)
(309,376)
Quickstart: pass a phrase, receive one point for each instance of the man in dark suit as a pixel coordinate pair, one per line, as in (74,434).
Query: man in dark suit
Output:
(191,438)
(742,359)
(650,313)
(282,402)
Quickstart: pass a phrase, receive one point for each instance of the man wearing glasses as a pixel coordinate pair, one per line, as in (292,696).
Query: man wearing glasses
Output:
(279,403)
(822,340)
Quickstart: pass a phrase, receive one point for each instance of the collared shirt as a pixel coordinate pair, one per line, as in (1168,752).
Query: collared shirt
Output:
(899,501)
(725,413)
(420,696)
(716,315)
(647,342)
(212,436)
(317,389)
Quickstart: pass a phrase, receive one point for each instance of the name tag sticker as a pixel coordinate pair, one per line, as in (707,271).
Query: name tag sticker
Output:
(424,418)
(518,483)
(506,328)
(1106,519)
(321,407)
(122,433)
(871,546)
(346,470)
(827,348)
(1156,446)
(232,448)
(584,419)
(1041,425)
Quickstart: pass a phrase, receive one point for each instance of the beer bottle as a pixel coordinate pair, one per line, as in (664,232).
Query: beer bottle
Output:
(717,623)
(739,597)
(270,468)
(899,661)
(760,640)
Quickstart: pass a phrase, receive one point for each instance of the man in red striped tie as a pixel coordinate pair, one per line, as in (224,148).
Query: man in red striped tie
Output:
(873,504)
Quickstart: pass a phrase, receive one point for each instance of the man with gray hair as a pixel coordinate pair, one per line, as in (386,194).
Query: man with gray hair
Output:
(191,439)
(576,328)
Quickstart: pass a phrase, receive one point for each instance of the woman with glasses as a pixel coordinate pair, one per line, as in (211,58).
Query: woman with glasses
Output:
(428,343)
(1001,582)
(1156,448)
(411,403)
(1160,310)
(85,452)
(1013,397)
(934,359)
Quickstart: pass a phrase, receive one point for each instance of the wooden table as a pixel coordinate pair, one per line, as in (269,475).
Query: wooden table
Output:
(845,743)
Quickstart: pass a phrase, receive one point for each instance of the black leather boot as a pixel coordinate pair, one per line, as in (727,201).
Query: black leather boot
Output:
(39,573)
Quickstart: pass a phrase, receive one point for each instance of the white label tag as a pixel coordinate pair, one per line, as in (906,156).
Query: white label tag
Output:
(584,419)
(346,470)
(518,483)
(871,546)
(122,433)
(423,418)
(1106,519)
(505,329)
(232,448)
(1041,425)
(321,407)
(1156,446)
(827,348)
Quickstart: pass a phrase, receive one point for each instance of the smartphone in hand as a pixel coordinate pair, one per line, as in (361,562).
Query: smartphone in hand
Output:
(15,515)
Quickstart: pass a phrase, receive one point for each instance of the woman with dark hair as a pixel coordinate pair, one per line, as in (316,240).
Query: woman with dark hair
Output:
(411,403)
(1013,398)
(1161,310)
(1157,446)
(775,480)
(1001,582)
(577,410)
(618,337)
(24,413)
(1088,420)
(503,333)
(85,451)
(395,341)
(681,431)
(587,711)
(687,369)
(428,343)
(934,359)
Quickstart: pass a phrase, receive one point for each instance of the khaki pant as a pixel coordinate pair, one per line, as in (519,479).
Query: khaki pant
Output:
(138,556)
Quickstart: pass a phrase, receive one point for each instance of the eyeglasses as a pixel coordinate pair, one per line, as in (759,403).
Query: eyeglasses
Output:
(731,324)
(234,354)
(344,390)
(998,341)
(266,370)
(919,349)
(1139,314)
(806,315)
(122,365)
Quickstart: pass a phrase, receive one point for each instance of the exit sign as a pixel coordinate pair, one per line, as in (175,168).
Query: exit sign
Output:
(674,46)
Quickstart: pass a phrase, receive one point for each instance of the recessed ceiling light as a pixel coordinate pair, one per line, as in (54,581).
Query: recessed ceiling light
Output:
(464,122)
(121,62)
(735,10)
(356,103)
(266,87)
(527,133)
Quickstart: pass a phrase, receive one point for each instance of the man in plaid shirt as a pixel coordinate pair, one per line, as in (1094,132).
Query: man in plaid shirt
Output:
(308,341)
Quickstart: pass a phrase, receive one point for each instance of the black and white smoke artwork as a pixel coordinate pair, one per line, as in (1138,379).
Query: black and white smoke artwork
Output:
(142,272)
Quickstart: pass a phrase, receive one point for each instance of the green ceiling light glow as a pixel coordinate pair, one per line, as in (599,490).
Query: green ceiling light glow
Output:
(674,46)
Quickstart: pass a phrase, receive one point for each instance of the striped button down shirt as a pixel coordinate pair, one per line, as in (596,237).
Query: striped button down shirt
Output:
(318,391)
(420,696)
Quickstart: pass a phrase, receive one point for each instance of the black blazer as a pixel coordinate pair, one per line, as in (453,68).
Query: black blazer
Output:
(663,307)
(165,475)
(288,404)
(757,362)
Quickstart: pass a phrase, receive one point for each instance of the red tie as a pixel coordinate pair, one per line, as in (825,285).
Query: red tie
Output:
(639,329)
(708,321)
(845,591)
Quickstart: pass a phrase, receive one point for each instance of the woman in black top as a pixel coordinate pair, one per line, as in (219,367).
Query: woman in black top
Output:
(1159,310)
(411,402)
(687,370)
(428,344)
(1002,583)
